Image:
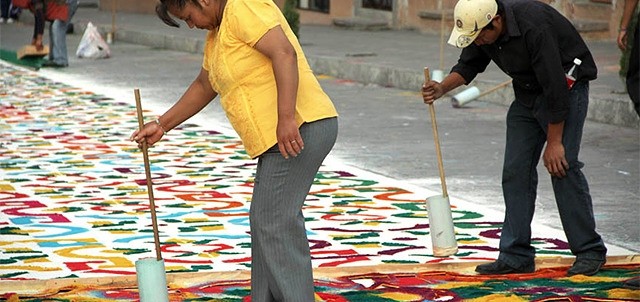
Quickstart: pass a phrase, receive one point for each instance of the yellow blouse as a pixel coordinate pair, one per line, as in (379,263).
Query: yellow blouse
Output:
(244,79)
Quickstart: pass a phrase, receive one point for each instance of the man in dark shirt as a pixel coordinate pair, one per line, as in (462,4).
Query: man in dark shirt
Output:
(536,46)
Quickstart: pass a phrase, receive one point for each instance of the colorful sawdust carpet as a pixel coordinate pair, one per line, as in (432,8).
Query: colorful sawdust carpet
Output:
(547,284)
(73,198)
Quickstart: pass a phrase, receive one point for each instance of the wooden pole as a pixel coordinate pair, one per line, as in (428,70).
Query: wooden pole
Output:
(434,125)
(147,170)
(442,28)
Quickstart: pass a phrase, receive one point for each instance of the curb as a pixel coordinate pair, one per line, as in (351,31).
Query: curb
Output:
(607,110)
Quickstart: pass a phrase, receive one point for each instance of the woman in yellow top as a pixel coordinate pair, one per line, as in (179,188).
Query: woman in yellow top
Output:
(254,62)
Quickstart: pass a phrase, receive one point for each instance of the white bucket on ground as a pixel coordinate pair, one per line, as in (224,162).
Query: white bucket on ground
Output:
(152,280)
(443,236)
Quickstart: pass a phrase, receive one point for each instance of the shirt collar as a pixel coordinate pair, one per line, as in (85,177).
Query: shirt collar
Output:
(513,30)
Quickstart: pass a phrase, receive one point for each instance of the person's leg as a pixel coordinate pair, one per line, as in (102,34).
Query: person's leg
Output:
(14,13)
(572,191)
(281,261)
(4,9)
(633,71)
(525,139)
(73,6)
(58,41)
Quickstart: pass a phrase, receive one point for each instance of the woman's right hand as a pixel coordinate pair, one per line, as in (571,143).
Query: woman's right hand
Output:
(431,91)
(151,133)
(37,42)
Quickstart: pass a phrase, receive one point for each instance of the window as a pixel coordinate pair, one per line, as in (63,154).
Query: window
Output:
(315,5)
(378,4)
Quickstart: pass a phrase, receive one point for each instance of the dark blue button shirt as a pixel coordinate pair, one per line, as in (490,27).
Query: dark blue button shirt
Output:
(537,50)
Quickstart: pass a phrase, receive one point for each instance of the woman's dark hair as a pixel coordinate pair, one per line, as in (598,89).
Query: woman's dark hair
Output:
(162,10)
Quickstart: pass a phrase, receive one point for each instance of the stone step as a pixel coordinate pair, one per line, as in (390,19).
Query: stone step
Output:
(361,23)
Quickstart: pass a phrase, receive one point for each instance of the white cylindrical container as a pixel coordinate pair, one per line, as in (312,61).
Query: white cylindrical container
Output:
(465,96)
(443,236)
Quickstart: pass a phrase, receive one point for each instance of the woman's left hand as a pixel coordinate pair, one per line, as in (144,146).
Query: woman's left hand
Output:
(289,140)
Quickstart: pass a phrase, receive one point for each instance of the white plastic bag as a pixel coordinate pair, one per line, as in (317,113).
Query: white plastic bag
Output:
(92,45)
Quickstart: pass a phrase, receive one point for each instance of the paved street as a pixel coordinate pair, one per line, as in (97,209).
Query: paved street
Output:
(388,131)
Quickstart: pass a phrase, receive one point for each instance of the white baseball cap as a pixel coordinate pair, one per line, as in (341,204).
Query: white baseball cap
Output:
(470,17)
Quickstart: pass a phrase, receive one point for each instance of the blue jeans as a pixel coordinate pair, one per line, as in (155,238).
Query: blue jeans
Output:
(58,36)
(526,138)
(5,5)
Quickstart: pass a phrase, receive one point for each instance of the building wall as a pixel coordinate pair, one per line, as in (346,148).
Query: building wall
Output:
(339,9)
(139,6)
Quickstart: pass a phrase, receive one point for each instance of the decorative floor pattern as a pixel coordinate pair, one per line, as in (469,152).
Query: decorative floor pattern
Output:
(73,200)
(546,284)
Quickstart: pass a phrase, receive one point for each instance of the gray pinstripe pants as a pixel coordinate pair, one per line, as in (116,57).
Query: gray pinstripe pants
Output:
(280,255)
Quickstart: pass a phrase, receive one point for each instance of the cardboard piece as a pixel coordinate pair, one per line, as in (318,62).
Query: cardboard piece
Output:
(31,51)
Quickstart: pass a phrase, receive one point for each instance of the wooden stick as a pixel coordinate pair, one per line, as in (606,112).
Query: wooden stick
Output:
(427,78)
(442,17)
(494,88)
(147,170)
(113,17)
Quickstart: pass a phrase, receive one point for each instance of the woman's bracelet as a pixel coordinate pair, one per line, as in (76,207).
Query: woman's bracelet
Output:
(161,128)
(622,29)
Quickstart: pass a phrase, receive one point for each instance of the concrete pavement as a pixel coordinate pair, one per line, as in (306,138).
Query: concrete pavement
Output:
(386,58)
(400,146)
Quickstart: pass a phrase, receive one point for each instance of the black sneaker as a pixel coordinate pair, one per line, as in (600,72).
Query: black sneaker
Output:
(587,267)
(633,283)
(49,63)
(499,268)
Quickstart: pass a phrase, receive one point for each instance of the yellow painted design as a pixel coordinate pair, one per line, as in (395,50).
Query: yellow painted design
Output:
(30,268)
(395,296)
(74,252)
(122,232)
(37,260)
(623,293)
(367,245)
(343,195)
(475,241)
(24,232)
(101,223)
(176,268)
(128,188)
(7,188)
(194,220)
(57,210)
(498,298)
(451,285)
(18,250)
(211,227)
(179,241)
(11,169)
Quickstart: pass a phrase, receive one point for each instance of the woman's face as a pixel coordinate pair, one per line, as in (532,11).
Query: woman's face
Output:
(208,16)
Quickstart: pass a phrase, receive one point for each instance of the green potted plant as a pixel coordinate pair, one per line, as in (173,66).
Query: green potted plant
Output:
(292,15)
